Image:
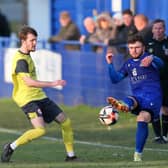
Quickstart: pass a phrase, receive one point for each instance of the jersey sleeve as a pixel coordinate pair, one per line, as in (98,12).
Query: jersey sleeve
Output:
(124,70)
(115,76)
(22,66)
(157,62)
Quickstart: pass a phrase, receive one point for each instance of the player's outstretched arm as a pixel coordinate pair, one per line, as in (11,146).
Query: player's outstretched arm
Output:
(40,84)
(151,59)
(115,76)
(147,61)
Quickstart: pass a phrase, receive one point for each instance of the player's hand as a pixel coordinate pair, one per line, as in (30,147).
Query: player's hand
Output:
(109,56)
(146,61)
(59,83)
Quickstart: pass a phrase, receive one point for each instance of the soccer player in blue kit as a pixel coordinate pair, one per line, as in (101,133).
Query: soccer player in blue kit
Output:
(146,99)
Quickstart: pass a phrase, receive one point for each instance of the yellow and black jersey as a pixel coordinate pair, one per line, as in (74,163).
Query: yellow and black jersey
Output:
(23,65)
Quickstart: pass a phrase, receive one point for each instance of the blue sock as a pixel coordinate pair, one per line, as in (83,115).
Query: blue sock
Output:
(141,136)
(128,101)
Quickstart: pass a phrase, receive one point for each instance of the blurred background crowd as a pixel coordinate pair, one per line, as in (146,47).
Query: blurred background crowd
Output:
(109,27)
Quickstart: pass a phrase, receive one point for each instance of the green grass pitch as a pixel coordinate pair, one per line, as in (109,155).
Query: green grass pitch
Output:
(95,145)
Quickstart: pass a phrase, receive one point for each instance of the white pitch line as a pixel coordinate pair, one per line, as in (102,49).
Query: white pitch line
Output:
(14,132)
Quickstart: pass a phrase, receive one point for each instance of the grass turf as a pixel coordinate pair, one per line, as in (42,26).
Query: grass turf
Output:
(50,154)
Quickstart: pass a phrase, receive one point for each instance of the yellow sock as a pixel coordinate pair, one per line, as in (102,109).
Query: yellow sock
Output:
(29,136)
(67,134)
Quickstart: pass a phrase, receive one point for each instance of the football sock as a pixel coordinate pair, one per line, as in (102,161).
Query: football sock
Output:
(27,137)
(164,125)
(156,127)
(141,136)
(129,102)
(67,135)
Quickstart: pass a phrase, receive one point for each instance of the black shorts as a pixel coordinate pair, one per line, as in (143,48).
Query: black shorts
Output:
(45,108)
(164,86)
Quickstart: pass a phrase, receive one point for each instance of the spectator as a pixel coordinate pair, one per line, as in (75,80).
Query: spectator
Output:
(128,19)
(105,28)
(118,21)
(91,37)
(90,27)
(127,29)
(5,27)
(120,36)
(144,29)
(105,31)
(158,46)
(68,30)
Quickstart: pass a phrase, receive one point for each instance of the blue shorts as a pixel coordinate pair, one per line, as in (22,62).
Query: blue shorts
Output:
(149,103)
(44,108)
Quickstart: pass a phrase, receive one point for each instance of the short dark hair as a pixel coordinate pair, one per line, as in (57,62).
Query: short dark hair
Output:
(134,38)
(159,21)
(128,12)
(65,15)
(26,30)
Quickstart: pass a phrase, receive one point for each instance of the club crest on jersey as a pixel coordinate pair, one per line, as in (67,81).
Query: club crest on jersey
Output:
(137,78)
(134,72)
(150,50)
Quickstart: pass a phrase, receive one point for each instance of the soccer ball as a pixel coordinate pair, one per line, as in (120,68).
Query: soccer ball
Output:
(108,115)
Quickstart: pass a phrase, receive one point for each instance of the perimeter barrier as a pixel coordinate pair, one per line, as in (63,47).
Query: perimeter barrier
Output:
(85,71)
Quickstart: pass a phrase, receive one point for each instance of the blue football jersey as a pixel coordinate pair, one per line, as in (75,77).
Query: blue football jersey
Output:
(142,79)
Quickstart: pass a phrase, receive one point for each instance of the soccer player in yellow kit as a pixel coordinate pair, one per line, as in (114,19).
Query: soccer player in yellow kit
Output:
(28,94)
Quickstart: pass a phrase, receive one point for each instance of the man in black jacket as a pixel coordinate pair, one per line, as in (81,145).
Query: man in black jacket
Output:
(158,46)
(144,28)
(126,30)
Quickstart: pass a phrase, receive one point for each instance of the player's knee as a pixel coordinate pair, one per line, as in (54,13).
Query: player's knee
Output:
(34,134)
(61,117)
(66,125)
(144,117)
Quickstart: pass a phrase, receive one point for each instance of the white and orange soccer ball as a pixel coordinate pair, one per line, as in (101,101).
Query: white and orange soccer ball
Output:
(108,115)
